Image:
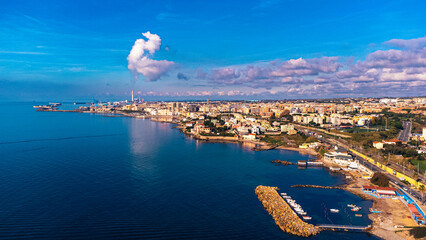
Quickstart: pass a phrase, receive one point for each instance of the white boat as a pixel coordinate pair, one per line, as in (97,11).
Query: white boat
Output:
(306,218)
(283,194)
(356,209)
(333,210)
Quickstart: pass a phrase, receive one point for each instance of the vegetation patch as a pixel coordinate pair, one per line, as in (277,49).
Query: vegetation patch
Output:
(418,232)
(380,179)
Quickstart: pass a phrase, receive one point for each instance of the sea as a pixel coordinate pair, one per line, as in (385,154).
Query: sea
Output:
(70,175)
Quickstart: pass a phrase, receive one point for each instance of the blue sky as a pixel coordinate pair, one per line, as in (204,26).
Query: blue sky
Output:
(73,50)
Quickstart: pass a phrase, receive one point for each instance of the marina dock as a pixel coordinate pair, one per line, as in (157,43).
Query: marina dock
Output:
(304,163)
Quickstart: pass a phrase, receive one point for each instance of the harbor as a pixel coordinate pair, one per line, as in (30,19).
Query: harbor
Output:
(291,218)
(284,216)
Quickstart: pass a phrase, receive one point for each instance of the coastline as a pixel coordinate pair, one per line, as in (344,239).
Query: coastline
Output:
(353,185)
(392,213)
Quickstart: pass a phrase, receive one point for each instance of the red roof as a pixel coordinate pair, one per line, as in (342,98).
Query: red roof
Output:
(379,188)
(393,140)
(414,210)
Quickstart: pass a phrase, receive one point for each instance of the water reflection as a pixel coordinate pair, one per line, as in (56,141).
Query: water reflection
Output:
(143,147)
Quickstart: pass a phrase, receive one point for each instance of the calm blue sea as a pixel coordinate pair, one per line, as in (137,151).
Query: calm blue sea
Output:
(86,176)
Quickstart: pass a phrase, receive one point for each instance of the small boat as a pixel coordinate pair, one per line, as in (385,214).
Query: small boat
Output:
(286,197)
(306,218)
(283,194)
(351,205)
(333,210)
(356,209)
(374,211)
(43,107)
(358,215)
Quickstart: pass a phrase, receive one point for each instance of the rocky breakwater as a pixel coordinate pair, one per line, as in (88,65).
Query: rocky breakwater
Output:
(283,162)
(286,219)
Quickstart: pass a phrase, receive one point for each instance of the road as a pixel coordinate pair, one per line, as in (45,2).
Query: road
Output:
(405,134)
(342,147)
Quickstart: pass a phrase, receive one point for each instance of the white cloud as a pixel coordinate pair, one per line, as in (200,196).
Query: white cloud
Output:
(140,58)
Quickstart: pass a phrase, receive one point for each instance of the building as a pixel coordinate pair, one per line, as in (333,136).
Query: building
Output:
(378,145)
(417,216)
(338,158)
(380,192)
(424,133)
(417,137)
(292,132)
(392,141)
(287,128)
(250,136)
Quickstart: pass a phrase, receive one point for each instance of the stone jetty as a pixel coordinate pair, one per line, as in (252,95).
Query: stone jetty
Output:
(283,162)
(286,219)
(316,186)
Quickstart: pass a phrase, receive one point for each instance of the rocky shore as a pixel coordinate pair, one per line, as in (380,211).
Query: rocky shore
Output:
(286,219)
(285,163)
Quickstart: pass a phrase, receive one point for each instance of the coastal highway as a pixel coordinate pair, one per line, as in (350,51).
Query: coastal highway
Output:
(405,133)
(413,193)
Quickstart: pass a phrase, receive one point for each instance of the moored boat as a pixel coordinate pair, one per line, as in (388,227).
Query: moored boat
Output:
(306,218)
(356,209)
(333,210)
(374,211)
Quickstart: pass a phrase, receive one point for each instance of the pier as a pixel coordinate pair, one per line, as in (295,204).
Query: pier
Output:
(334,227)
(316,186)
(304,163)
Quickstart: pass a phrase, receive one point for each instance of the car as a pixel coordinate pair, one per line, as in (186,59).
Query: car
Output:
(405,189)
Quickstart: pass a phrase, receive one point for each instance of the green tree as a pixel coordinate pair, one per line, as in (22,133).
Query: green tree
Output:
(380,179)
(311,139)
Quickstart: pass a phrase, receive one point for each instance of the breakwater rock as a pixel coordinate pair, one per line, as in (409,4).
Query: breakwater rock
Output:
(316,186)
(286,219)
(283,162)
(264,148)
